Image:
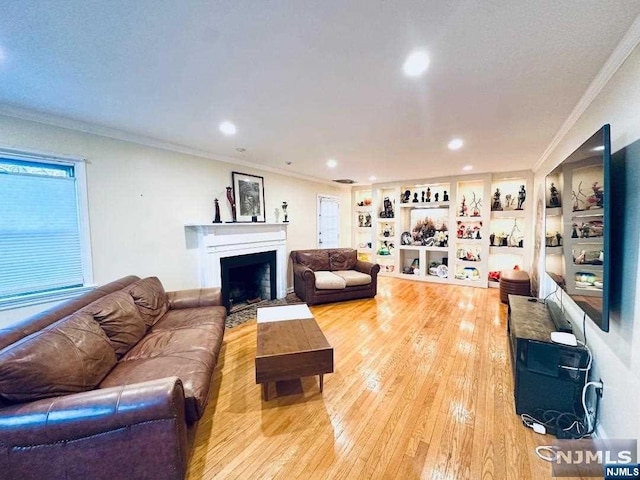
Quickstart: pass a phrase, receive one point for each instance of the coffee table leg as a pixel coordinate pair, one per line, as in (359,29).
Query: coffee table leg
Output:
(265,391)
(321,381)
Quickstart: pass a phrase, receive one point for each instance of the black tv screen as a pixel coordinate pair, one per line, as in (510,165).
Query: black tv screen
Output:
(577,226)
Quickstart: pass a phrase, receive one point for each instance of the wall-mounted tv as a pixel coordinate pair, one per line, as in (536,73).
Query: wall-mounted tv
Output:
(577,226)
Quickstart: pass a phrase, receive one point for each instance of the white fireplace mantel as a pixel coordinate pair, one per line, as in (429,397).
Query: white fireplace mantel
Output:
(219,240)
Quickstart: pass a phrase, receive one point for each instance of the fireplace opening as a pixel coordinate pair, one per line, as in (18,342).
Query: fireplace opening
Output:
(248,279)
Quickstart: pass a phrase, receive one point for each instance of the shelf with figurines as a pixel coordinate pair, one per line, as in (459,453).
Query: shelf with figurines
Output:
(426,228)
(425,196)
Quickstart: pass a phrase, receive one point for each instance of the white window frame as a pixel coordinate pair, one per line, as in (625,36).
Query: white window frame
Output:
(80,173)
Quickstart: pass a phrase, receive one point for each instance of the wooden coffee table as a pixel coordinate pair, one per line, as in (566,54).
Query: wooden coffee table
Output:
(290,345)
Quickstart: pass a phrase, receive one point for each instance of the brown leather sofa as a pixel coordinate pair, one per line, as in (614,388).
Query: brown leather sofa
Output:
(108,385)
(332,275)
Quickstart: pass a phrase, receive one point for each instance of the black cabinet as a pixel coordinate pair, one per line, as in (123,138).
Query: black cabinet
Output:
(548,377)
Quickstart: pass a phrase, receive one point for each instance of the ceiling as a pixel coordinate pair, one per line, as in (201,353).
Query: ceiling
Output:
(305,81)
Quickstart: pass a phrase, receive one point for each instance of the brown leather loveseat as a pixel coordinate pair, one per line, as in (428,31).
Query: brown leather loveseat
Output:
(108,385)
(332,275)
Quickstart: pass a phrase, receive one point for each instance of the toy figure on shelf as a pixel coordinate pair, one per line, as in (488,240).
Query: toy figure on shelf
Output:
(405,196)
(422,198)
(554,201)
(415,197)
(436,196)
(463,207)
(496,206)
(284,210)
(574,233)
(508,201)
(388,208)
(445,196)
(460,231)
(522,194)
(428,194)
(597,199)
(492,238)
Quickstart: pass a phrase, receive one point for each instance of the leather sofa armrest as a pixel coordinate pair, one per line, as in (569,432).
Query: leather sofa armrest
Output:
(303,273)
(89,413)
(367,267)
(51,438)
(197,297)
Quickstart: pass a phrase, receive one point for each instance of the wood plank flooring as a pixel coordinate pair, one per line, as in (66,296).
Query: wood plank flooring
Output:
(422,389)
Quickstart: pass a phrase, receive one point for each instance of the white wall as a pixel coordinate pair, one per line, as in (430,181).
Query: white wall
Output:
(616,353)
(141,197)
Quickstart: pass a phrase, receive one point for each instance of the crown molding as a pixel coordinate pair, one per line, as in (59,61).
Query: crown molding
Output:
(628,43)
(93,129)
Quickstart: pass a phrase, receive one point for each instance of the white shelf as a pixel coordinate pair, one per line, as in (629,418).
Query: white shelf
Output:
(553,250)
(553,211)
(507,250)
(426,205)
(423,248)
(508,214)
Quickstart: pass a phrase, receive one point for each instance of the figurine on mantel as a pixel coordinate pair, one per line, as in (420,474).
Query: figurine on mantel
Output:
(284,210)
(216,219)
(232,202)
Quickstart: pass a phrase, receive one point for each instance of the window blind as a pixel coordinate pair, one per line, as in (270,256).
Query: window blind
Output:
(40,247)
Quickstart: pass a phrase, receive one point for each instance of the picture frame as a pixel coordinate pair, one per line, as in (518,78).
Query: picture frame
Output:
(248,194)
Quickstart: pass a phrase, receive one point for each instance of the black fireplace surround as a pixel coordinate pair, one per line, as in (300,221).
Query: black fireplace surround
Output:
(227,264)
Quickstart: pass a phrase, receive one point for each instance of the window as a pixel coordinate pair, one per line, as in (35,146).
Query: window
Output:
(44,244)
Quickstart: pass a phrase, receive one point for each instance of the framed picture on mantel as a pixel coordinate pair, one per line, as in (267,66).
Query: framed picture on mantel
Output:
(248,193)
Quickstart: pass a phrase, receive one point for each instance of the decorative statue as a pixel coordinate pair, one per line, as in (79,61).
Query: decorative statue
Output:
(232,202)
(554,201)
(574,233)
(436,196)
(367,220)
(496,206)
(284,210)
(406,196)
(388,208)
(422,198)
(559,239)
(492,238)
(445,196)
(522,194)
(475,205)
(216,219)
(415,197)
(463,207)
(428,194)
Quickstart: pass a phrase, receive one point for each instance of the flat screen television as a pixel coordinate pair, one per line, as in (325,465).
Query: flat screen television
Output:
(577,226)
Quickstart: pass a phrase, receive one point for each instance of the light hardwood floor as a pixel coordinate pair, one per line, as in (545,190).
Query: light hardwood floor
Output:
(422,389)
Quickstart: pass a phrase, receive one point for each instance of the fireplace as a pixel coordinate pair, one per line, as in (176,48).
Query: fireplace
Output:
(216,244)
(248,279)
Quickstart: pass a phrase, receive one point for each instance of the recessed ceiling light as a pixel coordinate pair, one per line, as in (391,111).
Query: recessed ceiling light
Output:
(227,128)
(598,149)
(416,63)
(466,168)
(373,178)
(331,163)
(455,144)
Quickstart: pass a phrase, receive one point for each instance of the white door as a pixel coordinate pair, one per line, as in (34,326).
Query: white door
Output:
(328,221)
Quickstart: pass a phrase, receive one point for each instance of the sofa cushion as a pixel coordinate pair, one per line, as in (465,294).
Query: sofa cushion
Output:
(314,259)
(120,319)
(191,317)
(342,259)
(70,356)
(329,281)
(353,277)
(188,352)
(150,298)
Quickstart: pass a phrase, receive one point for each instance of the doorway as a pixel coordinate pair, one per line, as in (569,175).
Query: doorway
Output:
(328,221)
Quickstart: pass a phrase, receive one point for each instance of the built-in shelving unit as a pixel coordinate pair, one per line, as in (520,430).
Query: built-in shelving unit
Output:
(574,221)
(440,229)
